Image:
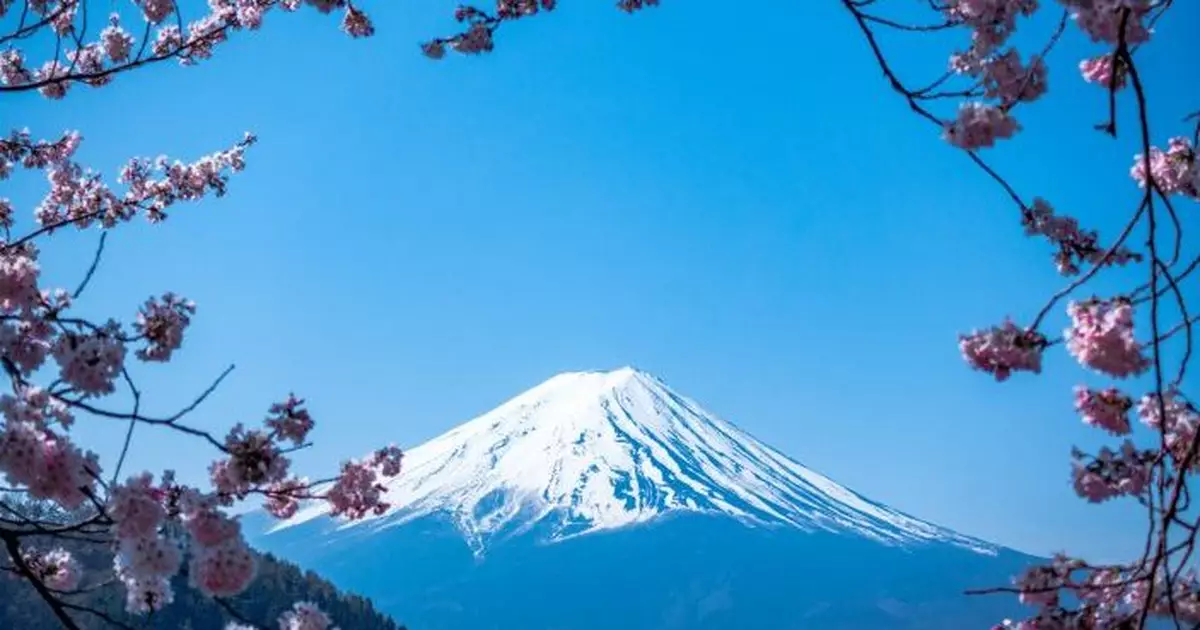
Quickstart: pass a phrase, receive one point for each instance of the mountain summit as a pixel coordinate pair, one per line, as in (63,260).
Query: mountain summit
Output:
(601,500)
(590,451)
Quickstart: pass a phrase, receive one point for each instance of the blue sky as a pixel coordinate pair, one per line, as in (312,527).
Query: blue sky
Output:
(730,199)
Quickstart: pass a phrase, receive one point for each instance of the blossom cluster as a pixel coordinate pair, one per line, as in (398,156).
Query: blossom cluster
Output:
(1002,350)
(1174,171)
(480,25)
(156,526)
(1113,473)
(305,616)
(95,63)
(1107,596)
(1179,422)
(1101,337)
(1003,77)
(1074,244)
(56,568)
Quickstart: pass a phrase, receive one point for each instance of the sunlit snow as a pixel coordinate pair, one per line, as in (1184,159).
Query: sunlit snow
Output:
(592,451)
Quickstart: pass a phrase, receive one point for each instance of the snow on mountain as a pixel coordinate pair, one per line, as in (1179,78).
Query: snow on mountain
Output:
(592,451)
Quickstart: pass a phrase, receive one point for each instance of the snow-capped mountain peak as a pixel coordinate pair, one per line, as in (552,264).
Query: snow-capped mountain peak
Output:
(590,451)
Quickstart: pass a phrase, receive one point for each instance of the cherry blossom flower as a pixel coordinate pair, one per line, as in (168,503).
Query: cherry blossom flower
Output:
(305,616)
(1105,409)
(1112,473)
(1099,70)
(1003,349)
(1175,170)
(56,568)
(162,322)
(979,125)
(356,492)
(288,420)
(1101,337)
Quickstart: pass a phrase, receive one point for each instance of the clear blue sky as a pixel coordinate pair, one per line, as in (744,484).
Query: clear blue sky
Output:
(731,199)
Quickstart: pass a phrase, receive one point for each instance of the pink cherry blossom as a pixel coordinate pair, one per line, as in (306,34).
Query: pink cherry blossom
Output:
(1105,409)
(356,492)
(1101,337)
(64,17)
(282,497)
(223,570)
(209,527)
(89,60)
(147,595)
(46,464)
(1040,585)
(150,556)
(1101,19)
(979,125)
(476,39)
(136,507)
(1181,424)
(305,616)
(52,72)
(289,420)
(1074,245)
(35,406)
(1004,78)
(1175,170)
(388,459)
(629,6)
(26,343)
(168,39)
(19,272)
(90,362)
(116,41)
(1099,70)
(433,50)
(56,568)
(156,10)
(161,323)
(254,461)
(1113,473)
(1003,349)
(356,23)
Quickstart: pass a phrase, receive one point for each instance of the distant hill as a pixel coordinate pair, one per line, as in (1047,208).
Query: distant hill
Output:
(278,586)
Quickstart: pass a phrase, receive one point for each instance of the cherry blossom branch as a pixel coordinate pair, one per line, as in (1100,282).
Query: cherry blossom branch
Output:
(13,546)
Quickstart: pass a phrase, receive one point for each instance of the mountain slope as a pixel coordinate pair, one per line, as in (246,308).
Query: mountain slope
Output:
(591,451)
(599,500)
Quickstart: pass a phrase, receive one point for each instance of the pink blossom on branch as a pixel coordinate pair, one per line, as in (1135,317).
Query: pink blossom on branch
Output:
(1102,19)
(1075,245)
(978,126)
(254,461)
(289,420)
(1002,350)
(1101,337)
(1180,424)
(56,568)
(1113,473)
(1005,79)
(1175,170)
(357,492)
(161,323)
(388,459)
(1104,409)
(1099,70)
(48,465)
(305,616)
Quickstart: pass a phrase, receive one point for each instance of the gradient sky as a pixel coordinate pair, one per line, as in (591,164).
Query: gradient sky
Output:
(730,199)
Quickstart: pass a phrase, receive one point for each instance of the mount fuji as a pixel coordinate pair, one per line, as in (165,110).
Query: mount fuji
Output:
(605,499)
